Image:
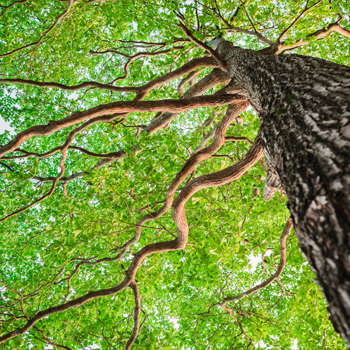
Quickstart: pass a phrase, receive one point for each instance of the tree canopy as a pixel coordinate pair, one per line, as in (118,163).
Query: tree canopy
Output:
(116,111)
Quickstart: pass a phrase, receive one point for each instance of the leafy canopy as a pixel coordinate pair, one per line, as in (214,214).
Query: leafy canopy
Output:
(230,227)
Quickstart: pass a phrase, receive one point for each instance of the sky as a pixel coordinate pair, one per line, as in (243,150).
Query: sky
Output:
(4,126)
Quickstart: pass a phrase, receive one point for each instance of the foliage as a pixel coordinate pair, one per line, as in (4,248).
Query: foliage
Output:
(93,215)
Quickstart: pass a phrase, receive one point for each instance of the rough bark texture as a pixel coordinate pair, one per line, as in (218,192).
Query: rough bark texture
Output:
(304,110)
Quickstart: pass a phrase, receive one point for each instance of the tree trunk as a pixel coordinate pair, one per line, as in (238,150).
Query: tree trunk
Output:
(304,111)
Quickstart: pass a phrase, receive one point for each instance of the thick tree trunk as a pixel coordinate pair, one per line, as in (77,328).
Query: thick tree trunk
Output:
(304,110)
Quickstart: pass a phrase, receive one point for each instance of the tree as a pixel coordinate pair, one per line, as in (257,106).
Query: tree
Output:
(92,246)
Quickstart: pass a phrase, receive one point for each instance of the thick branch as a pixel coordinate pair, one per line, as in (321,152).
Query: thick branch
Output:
(117,107)
(214,78)
(188,167)
(204,46)
(213,180)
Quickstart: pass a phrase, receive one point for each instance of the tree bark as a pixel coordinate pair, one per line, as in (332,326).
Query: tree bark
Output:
(304,110)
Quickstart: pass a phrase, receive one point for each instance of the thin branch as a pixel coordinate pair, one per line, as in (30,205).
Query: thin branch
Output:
(141,90)
(163,43)
(235,14)
(223,156)
(133,58)
(239,324)
(317,35)
(189,77)
(148,206)
(246,12)
(240,30)
(37,43)
(279,270)
(47,340)
(6,166)
(73,87)
(236,138)
(248,32)
(137,312)
(53,187)
(9,6)
(306,9)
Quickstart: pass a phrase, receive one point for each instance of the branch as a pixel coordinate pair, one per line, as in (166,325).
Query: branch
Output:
(111,157)
(141,90)
(6,166)
(201,87)
(235,14)
(318,35)
(306,9)
(248,32)
(246,12)
(117,107)
(185,69)
(74,87)
(223,156)
(214,78)
(37,43)
(53,187)
(64,307)
(204,46)
(239,324)
(232,112)
(279,270)
(133,58)
(137,312)
(139,54)
(274,277)
(163,43)
(50,341)
(215,179)
(236,138)
(241,30)
(9,6)
(189,77)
